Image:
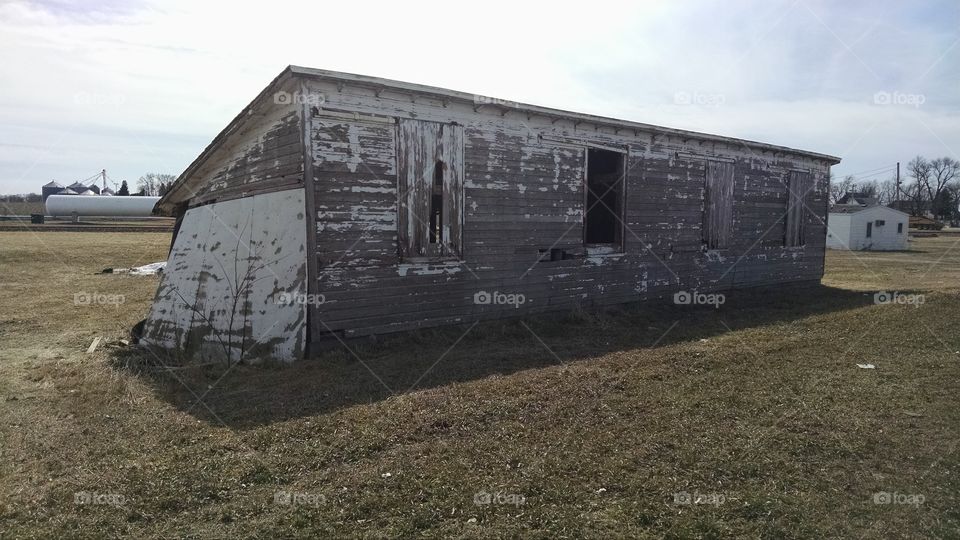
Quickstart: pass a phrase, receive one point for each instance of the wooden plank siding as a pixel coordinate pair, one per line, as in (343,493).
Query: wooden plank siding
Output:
(267,156)
(523,196)
(521,206)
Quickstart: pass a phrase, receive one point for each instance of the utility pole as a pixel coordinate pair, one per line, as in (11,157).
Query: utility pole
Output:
(898,184)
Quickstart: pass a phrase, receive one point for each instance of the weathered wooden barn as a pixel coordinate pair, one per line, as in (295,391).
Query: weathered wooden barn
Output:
(353,205)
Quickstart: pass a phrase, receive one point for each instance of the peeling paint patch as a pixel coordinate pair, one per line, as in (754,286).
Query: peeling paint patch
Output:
(429,269)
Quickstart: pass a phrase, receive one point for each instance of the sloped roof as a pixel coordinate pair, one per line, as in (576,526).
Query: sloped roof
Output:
(847,209)
(175,192)
(67,191)
(860,198)
(52,183)
(854,208)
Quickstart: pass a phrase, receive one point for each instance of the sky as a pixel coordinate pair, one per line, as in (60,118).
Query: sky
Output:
(136,87)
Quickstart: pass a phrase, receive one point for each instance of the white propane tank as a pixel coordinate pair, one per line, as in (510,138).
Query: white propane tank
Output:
(74,205)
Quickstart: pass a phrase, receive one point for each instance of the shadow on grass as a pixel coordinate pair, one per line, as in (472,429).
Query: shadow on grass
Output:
(370,371)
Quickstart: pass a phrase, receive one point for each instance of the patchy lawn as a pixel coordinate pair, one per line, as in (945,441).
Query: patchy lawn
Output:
(651,421)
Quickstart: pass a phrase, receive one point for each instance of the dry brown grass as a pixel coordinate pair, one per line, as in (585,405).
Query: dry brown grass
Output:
(759,402)
(20,208)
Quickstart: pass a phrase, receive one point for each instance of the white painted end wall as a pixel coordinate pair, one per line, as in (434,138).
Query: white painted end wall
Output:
(235,283)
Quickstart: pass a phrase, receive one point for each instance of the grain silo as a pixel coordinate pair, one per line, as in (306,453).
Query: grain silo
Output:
(49,189)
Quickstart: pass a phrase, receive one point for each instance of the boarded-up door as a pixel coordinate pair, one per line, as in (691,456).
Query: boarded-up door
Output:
(718,202)
(798,186)
(430,189)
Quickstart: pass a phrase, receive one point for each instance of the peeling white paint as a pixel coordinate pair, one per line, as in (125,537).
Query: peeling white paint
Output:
(429,269)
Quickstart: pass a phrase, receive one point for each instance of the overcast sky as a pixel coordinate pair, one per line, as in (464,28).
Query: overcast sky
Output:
(138,87)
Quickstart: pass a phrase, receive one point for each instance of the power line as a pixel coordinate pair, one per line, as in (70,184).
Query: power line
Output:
(877,175)
(874,176)
(881,169)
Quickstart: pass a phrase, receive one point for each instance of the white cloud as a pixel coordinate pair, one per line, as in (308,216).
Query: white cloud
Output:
(142,88)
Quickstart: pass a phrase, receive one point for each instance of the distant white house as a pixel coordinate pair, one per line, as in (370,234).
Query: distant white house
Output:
(860,225)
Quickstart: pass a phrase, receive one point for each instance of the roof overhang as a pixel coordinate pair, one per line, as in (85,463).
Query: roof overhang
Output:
(180,187)
(861,210)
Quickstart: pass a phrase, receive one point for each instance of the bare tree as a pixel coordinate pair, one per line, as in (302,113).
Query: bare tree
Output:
(954,190)
(866,188)
(917,193)
(154,184)
(887,191)
(944,172)
(840,188)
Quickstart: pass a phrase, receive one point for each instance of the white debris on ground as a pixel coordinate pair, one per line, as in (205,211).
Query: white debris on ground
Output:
(145,270)
(866,366)
(149,269)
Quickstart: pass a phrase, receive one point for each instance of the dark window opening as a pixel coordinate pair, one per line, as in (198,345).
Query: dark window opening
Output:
(869,229)
(881,223)
(899,228)
(436,205)
(603,223)
(430,190)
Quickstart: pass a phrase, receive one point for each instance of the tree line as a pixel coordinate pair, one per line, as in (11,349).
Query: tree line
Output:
(927,186)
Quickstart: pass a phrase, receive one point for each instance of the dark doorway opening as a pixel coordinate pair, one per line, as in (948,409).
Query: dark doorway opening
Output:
(436,204)
(603,222)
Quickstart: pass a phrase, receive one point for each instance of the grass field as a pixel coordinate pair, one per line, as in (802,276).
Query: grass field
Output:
(20,208)
(581,425)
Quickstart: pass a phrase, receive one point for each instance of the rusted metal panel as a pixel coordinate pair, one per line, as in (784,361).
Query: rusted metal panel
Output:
(234,288)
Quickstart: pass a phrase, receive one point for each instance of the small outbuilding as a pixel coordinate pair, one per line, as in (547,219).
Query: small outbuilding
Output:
(872,227)
(340,205)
